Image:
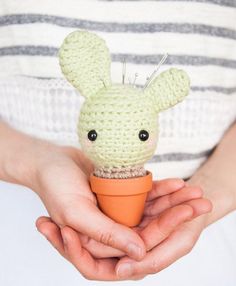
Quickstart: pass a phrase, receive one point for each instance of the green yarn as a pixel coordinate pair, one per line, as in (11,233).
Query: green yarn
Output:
(169,88)
(85,61)
(117,112)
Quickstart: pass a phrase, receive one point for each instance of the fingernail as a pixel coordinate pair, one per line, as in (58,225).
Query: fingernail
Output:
(124,270)
(180,183)
(135,251)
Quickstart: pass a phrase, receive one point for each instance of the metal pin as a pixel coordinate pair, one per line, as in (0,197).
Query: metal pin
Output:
(123,71)
(135,77)
(150,78)
(103,82)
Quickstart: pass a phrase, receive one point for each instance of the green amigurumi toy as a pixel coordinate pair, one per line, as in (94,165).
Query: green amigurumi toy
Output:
(118,126)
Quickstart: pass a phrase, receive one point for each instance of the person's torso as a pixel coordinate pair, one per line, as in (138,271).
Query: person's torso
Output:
(199,36)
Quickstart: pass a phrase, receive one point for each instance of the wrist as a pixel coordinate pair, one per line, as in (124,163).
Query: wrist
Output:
(41,155)
(20,156)
(203,180)
(216,191)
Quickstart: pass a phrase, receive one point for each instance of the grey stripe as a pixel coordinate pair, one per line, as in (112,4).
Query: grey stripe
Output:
(227,3)
(185,28)
(29,51)
(175,60)
(170,157)
(218,89)
(130,58)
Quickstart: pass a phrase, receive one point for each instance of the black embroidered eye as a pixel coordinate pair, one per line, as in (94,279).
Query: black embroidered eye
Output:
(143,135)
(92,135)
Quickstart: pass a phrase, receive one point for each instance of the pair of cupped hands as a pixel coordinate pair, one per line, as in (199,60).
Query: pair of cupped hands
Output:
(97,246)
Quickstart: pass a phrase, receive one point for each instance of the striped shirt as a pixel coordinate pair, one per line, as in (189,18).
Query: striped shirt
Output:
(198,35)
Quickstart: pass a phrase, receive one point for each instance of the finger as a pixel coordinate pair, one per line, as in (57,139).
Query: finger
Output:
(42,219)
(90,268)
(144,222)
(84,162)
(159,205)
(48,228)
(99,250)
(164,187)
(200,206)
(51,231)
(178,244)
(92,222)
(160,228)
(79,158)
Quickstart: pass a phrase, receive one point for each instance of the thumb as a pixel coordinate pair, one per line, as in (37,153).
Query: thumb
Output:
(91,221)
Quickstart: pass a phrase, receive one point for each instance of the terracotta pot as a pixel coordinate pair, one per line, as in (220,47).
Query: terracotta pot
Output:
(122,200)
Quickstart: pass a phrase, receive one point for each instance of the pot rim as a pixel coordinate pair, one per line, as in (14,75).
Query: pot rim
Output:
(121,187)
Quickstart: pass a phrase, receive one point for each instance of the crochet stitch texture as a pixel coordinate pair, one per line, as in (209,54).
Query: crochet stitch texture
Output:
(116,112)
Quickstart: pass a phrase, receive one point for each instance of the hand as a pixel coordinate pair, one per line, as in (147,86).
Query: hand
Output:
(178,244)
(164,249)
(170,194)
(62,184)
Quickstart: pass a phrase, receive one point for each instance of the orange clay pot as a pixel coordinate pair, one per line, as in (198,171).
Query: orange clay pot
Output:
(122,199)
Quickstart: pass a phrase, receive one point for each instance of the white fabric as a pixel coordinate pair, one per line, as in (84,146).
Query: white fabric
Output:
(49,109)
(142,11)
(26,258)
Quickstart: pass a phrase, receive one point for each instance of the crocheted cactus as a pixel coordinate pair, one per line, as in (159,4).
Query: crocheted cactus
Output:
(118,126)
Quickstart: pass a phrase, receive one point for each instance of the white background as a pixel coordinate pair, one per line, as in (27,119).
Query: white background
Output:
(27,259)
